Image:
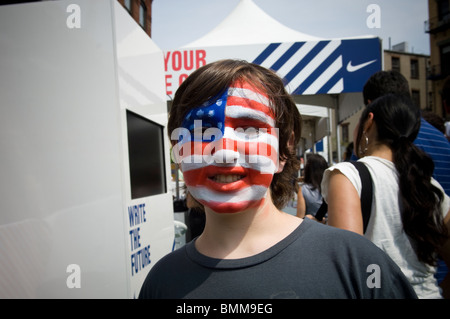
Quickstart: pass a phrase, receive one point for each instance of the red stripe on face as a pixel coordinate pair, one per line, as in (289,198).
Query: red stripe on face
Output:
(247,122)
(248,86)
(241,147)
(250,148)
(205,177)
(251,104)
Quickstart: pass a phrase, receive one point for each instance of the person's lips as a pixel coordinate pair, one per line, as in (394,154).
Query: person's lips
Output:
(226,178)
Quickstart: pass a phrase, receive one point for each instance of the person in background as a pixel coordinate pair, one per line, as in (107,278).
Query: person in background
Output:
(348,153)
(195,218)
(409,216)
(435,120)
(309,197)
(429,138)
(235,130)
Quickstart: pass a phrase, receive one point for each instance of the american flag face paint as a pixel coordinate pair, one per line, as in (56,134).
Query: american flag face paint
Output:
(228,149)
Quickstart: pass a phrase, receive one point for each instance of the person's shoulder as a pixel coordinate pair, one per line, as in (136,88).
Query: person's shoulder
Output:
(345,168)
(428,132)
(339,165)
(365,260)
(330,235)
(162,273)
(171,260)
(316,229)
(342,240)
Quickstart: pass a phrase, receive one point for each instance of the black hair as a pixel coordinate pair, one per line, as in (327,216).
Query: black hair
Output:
(397,121)
(385,82)
(314,169)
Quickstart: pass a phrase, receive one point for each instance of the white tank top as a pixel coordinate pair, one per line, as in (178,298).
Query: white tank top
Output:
(385,228)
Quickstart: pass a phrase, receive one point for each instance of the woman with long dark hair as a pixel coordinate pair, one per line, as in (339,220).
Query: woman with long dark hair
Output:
(409,216)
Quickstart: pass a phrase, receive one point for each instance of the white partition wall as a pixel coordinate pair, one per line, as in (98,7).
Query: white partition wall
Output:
(85,210)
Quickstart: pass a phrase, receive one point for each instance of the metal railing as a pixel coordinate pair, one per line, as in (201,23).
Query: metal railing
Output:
(437,24)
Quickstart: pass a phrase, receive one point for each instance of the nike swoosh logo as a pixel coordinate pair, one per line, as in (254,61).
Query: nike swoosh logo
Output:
(353,68)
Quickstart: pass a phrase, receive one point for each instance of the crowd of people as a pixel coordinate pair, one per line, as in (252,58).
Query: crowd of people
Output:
(409,205)
(249,248)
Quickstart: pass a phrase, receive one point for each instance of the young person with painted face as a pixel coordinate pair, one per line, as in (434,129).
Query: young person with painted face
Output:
(410,217)
(234,131)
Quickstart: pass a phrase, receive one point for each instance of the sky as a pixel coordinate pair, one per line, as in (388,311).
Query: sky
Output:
(179,22)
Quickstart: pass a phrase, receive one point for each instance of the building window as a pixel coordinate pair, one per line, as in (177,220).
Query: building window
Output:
(445,60)
(142,14)
(443,10)
(127,4)
(395,64)
(415,95)
(414,69)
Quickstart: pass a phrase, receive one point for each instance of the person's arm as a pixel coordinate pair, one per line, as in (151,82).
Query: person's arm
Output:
(445,255)
(344,205)
(301,205)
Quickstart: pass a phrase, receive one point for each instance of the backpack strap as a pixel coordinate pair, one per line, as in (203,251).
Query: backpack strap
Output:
(366,192)
(366,195)
(323,209)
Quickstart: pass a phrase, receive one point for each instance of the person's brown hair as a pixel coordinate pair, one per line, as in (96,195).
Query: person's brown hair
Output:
(214,78)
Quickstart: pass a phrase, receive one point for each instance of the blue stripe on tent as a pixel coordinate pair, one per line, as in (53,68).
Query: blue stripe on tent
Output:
(319,146)
(331,82)
(287,55)
(267,51)
(318,71)
(304,62)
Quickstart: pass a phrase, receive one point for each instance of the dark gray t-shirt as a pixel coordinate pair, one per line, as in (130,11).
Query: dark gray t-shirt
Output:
(314,261)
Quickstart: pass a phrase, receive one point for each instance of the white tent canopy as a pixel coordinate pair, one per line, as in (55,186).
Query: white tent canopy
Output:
(249,24)
(318,72)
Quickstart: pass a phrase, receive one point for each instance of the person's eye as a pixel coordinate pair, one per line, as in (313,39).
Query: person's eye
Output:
(251,131)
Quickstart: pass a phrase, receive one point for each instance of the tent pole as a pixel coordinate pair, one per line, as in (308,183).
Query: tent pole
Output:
(330,148)
(338,129)
(338,142)
(313,132)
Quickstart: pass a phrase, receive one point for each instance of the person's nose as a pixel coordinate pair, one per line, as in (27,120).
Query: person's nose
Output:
(228,151)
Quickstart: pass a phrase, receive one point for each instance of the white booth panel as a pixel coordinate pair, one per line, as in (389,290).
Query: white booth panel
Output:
(64,174)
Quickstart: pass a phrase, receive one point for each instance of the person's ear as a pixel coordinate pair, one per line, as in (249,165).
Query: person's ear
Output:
(369,122)
(290,144)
